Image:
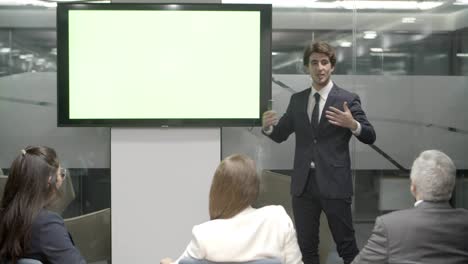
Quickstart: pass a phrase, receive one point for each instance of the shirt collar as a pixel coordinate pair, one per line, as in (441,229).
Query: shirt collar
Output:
(324,91)
(418,202)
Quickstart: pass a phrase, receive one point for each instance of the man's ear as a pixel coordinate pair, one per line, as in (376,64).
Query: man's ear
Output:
(332,69)
(413,190)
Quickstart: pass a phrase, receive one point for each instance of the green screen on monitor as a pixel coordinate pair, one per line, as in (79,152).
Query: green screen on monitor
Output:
(163,65)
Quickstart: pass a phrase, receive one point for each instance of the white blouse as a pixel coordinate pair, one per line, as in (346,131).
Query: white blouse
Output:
(267,232)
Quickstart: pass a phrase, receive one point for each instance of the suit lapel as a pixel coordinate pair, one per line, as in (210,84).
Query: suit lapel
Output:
(304,103)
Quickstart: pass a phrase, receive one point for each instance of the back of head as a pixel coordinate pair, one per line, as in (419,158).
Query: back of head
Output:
(433,175)
(30,186)
(235,186)
(319,47)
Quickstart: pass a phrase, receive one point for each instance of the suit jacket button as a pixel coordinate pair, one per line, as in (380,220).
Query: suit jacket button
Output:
(315,141)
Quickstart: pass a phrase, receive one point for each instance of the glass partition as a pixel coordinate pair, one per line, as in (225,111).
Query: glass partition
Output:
(29,111)
(408,64)
(28,114)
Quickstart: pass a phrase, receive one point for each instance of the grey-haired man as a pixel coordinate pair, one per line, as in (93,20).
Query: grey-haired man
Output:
(432,231)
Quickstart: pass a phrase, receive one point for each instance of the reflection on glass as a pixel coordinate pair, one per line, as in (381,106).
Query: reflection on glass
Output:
(5,52)
(382,53)
(27,50)
(409,68)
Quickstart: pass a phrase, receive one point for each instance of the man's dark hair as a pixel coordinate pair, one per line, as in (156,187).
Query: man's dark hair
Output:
(319,47)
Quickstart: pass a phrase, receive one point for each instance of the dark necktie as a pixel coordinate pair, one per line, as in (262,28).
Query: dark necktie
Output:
(315,113)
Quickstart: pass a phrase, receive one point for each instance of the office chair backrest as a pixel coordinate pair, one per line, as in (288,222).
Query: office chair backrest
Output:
(203,261)
(92,234)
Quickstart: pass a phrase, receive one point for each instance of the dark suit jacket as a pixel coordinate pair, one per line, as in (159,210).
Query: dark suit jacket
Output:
(429,233)
(51,242)
(328,146)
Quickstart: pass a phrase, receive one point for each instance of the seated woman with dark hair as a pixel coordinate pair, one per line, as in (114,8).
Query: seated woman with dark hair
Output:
(27,230)
(237,232)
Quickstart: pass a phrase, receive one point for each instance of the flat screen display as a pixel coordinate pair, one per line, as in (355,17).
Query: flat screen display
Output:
(163,64)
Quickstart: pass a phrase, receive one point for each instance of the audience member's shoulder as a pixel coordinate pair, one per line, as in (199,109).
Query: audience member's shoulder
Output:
(462,211)
(273,210)
(396,214)
(276,215)
(48,225)
(46,216)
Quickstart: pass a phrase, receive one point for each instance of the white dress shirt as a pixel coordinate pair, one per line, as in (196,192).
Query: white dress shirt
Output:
(323,98)
(267,232)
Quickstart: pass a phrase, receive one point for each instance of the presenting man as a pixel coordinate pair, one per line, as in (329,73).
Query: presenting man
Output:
(323,118)
(432,232)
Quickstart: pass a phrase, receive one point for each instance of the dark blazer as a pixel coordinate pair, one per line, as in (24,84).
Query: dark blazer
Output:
(328,146)
(51,242)
(429,233)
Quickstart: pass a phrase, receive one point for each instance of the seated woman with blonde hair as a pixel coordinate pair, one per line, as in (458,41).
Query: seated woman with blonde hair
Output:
(237,232)
(27,229)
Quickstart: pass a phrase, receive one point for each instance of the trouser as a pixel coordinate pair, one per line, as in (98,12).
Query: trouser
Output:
(307,209)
